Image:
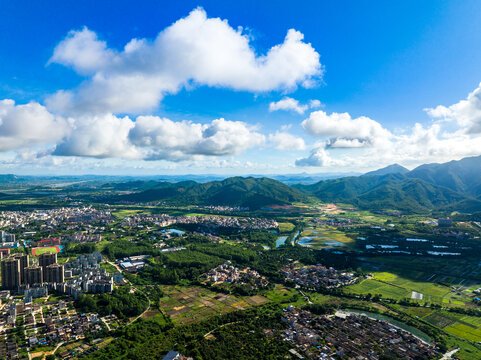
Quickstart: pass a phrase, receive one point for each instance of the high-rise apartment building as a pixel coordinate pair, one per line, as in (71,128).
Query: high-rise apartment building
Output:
(33,275)
(45,260)
(55,273)
(23,259)
(10,273)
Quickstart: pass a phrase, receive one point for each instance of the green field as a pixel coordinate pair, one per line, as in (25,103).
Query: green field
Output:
(286,227)
(42,250)
(185,305)
(374,287)
(396,287)
(120,214)
(109,267)
(463,326)
(447,282)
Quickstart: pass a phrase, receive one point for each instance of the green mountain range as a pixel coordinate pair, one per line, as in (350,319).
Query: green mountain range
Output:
(250,192)
(391,169)
(463,176)
(451,186)
(455,185)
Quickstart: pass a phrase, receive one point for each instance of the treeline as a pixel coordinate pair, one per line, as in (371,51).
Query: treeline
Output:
(124,248)
(239,254)
(120,302)
(237,335)
(172,268)
(258,237)
(187,265)
(72,249)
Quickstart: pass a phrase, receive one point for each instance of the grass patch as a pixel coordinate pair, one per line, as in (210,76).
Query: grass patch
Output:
(42,250)
(109,267)
(286,227)
(464,331)
(375,287)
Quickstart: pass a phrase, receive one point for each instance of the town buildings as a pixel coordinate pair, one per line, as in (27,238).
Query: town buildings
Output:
(317,276)
(227,273)
(348,336)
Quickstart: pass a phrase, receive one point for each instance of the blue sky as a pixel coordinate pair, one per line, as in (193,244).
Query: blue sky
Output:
(393,82)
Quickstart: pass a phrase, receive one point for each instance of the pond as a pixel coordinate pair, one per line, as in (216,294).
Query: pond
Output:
(305,240)
(333,243)
(281,240)
(295,237)
(176,232)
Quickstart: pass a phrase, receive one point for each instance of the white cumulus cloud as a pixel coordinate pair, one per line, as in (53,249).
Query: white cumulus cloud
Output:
(99,136)
(28,125)
(83,51)
(467,113)
(345,131)
(319,157)
(314,104)
(286,141)
(182,140)
(194,50)
(373,148)
(290,104)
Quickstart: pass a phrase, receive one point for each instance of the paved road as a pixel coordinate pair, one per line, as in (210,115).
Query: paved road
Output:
(449,354)
(148,307)
(134,289)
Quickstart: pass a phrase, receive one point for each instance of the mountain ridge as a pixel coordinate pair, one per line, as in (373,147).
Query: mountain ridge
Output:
(455,185)
(248,192)
(390,169)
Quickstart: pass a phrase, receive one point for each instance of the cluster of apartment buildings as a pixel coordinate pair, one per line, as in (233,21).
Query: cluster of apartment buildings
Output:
(317,276)
(84,274)
(226,208)
(19,275)
(8,241)
(345,336)
(6,237)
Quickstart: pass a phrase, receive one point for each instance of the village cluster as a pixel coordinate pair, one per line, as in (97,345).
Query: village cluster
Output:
(227,273)
(46,324)
(248,223)
(317,276)
(347,336)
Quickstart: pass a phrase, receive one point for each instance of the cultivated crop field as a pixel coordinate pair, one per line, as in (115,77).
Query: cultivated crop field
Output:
(191,304)
(320,237)
(446,282)
(464,326)
(375,287)
(393,286)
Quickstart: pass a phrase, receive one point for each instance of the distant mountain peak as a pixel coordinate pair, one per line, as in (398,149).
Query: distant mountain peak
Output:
(391,169)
